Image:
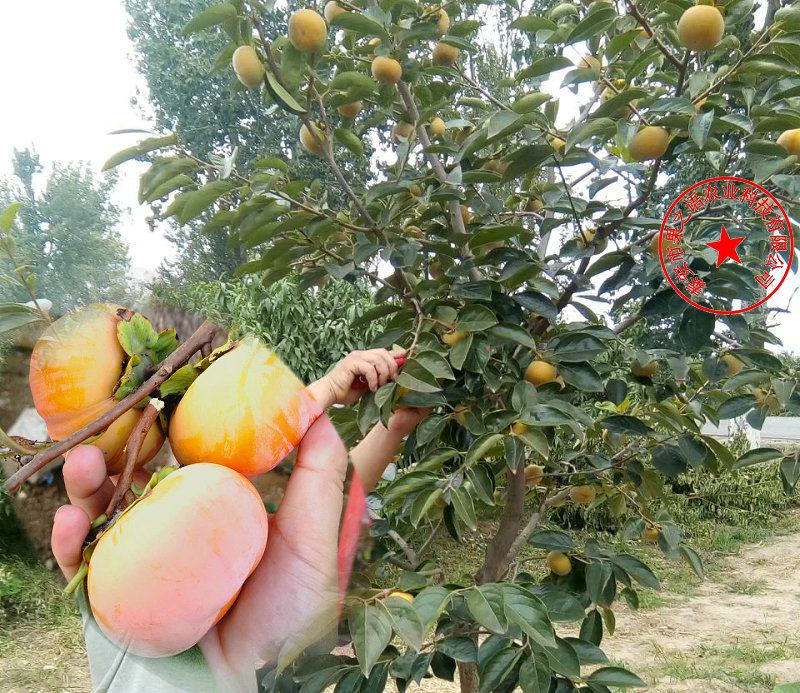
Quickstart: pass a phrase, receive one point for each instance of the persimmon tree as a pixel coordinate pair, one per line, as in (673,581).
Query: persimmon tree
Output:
(507,233)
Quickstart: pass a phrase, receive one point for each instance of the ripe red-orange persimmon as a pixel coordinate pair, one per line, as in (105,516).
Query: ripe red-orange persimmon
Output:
(247,411)
(171,566)
(75,367)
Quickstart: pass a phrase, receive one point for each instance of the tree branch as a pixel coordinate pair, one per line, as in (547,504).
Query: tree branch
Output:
(456,221)
(204,334)
(634,10)
(533,523)
(132,449)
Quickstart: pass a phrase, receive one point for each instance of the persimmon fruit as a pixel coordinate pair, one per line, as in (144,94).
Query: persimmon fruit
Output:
(173,564)
(75,368)
(701,27)
(247,411)
(308,32)
(540,372)
(248,66)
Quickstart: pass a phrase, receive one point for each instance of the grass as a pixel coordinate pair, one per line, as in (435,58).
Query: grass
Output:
(29,593)
(738,664)
(41,636)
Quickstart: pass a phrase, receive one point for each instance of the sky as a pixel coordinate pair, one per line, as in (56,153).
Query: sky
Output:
(73,86)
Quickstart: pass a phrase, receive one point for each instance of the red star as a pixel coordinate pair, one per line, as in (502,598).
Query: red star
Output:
(726,247)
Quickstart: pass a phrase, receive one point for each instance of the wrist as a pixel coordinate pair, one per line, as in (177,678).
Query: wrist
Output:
(322,391)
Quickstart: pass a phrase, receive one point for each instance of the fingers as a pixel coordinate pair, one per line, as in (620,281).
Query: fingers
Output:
(70,527)
(378,366)
(88,485)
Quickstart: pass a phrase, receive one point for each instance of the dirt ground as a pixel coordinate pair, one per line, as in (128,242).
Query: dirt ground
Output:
(737,634)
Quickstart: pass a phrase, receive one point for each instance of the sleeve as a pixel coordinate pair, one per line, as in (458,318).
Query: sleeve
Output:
(114,670)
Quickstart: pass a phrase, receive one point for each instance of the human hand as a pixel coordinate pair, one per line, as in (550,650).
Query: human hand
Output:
(405,419)
(290,599)
(340,385)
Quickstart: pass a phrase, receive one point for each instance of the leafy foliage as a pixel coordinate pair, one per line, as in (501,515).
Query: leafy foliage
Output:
(309,330)
(491,247)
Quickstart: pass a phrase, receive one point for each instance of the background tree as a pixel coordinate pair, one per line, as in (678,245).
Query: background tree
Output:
(193,93)
(539,398)
(67,234)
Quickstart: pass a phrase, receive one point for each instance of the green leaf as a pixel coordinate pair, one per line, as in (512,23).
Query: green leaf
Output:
(537,303)
(757,456)
(700,126)
(417,378)
(560,604)
(695,329)
(693,559)
(576,347)
(212,16)
(136,334)
(537,441)
(543,66)
(140,150)
(598,19)
(534,674)
(552,540)
(736,406)
(475,318)
(464,507)
(358,23)
(405,620)
(281,96)
(581,376)
(625,425)
(637,570)
(435,364)
(669,460)
(486,605)
(350,140)
(198,201)
(497,668)
(430,603)
(533,23)
(588,652)
(509,332)
(564,659)
(8,216)
(371,630)
(482,446)
(597,126)
(529,613)
(790,472)
(16,315)
(460,649)
(616,676)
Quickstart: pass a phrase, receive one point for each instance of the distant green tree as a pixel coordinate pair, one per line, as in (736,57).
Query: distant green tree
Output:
(310,330)
(67,234)
(193,91)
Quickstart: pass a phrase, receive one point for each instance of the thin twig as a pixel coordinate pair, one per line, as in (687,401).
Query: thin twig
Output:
(534,521)
(132,449)
(205,333)
(404,545)
(634,10)
(456,219)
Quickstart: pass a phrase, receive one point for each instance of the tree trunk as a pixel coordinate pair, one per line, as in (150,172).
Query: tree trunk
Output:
(468,677)
(495,564)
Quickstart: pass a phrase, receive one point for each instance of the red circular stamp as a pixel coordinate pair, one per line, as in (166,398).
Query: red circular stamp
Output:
(708,239)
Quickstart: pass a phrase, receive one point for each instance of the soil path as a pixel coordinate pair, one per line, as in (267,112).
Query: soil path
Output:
(739,632)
